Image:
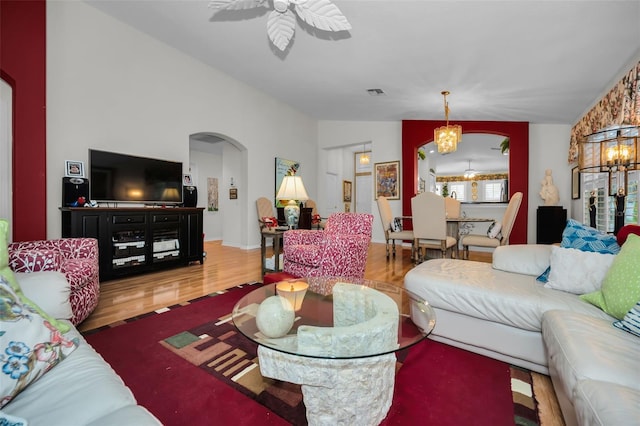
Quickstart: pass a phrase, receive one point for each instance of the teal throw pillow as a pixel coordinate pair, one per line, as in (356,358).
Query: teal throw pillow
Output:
(620,289)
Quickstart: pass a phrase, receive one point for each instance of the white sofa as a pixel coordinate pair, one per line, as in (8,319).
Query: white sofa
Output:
(500,310)
(82,389)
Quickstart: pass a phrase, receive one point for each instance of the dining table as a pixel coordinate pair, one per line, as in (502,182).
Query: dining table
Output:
(453,223)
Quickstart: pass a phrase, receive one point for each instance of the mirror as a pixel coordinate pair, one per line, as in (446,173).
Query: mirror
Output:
(479,154)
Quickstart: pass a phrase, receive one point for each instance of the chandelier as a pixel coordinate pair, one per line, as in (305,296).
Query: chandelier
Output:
(613,150)
(281,23)
(364,157)
(447,137)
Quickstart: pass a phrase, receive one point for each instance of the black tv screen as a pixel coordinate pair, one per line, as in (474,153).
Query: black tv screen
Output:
(126,178)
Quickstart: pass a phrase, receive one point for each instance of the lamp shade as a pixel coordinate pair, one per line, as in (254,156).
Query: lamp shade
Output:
(293,291)
(292,188)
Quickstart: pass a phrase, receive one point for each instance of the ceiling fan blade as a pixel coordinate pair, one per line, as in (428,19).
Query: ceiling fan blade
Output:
(280,28)
(323,15)
(219,5)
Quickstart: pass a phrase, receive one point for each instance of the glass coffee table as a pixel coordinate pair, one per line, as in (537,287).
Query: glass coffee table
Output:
(337,338)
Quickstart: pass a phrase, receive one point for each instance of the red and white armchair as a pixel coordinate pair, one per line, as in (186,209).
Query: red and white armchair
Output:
(340,250)
(76,258)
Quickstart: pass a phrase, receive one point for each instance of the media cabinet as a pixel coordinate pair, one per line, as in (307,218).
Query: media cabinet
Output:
(138,239)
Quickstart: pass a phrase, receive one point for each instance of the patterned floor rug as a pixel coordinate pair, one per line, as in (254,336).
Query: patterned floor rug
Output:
(168,358)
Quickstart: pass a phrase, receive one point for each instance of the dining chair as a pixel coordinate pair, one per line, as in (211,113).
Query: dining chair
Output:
(508,220)
(316,220)
(266,211)
(453,207)
(430,226)
(386,216)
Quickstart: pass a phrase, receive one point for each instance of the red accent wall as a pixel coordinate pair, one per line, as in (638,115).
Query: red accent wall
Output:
(416,133)
(23,66)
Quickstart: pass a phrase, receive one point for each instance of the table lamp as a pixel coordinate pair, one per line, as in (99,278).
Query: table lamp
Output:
(293,291)
(292,189)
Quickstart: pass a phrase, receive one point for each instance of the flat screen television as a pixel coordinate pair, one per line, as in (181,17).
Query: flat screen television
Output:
(125,178)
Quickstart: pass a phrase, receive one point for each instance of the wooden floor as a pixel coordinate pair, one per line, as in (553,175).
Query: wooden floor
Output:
(224,267)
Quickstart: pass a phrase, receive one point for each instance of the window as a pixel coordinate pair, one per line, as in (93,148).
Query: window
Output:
(492,191)
(456,190)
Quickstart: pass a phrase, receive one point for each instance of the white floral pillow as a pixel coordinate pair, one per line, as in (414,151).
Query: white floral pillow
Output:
(29,344)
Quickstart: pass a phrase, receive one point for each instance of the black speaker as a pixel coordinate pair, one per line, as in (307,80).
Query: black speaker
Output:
(190,196)
(72,189)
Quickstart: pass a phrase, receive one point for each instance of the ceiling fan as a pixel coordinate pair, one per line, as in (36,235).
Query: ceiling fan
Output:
(470,173)
(320,14)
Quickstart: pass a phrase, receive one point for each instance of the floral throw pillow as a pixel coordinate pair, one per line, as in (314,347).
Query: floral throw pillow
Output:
(29,344)
(7,274)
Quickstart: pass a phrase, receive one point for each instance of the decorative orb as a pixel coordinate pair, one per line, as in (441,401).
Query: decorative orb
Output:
(275,316)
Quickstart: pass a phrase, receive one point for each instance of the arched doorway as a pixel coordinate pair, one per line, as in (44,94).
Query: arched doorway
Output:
(416,133)
(218,164)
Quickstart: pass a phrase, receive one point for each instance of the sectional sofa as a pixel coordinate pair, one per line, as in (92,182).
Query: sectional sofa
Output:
(504,311)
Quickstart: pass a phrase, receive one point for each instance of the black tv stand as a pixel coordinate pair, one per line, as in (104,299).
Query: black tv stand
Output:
(138,239)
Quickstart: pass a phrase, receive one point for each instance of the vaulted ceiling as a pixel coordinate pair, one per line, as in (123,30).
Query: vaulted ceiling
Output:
(536,61)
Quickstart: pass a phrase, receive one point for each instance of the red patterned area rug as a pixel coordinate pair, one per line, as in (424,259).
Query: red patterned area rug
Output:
(188,365)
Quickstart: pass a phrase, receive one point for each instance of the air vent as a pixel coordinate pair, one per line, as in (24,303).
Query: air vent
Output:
(375,92)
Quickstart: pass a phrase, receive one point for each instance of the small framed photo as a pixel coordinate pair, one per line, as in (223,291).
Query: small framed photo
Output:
(186,180)
(233,193)
(387,180)
(575,183)
(74,168)
(346,191)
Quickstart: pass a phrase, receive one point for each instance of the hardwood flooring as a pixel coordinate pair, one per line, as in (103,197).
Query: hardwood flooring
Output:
(224,267)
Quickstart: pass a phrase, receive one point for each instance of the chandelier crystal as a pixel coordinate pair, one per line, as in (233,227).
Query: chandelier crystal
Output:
(447,137)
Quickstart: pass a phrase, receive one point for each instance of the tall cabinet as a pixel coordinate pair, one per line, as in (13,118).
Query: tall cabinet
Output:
(136,240)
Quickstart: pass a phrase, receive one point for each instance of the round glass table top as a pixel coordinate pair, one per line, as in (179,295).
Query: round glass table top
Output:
(323,317)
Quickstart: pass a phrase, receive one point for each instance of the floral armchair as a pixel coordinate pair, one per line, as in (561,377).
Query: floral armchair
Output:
(340,250)
(76,258)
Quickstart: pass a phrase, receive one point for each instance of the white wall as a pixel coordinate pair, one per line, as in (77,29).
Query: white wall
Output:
(114,88)
(548,149)
(385,141)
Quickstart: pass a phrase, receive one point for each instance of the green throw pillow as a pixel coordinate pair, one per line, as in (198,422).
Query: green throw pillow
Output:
(621,286)
(8,275)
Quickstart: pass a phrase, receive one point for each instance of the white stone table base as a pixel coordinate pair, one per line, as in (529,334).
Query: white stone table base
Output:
(336,391)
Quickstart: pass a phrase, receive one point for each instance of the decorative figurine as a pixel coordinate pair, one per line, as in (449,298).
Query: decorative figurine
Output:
(620,205)
(548,191)
(592,209)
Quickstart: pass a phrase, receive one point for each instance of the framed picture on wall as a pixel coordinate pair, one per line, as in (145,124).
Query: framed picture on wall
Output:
(575,183)
(346,191)
(74,168)
(387,180)
(186,180)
